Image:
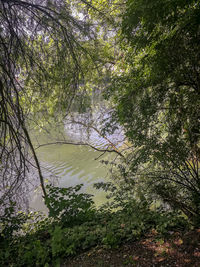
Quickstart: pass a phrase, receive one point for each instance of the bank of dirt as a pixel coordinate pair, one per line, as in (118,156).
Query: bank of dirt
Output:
(177,250)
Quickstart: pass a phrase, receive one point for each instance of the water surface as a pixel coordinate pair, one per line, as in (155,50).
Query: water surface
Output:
(68,165)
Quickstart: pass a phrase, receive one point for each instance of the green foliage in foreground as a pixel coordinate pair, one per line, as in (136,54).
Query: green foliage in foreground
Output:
(47,241)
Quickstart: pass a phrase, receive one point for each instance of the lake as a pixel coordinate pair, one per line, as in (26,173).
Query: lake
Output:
(68,165)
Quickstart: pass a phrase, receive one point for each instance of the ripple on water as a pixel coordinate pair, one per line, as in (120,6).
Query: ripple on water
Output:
(72,165)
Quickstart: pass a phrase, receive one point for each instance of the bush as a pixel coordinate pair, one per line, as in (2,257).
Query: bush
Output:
(69,206)
(77,226)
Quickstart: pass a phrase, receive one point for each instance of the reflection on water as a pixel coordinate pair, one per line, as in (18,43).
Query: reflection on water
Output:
(79,131)
(70,165)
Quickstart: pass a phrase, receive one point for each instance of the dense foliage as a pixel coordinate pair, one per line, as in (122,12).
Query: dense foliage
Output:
(159,90)
(48,242)
(144,56)
(156,91)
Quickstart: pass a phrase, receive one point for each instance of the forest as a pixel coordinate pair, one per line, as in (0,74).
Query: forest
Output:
(141,58)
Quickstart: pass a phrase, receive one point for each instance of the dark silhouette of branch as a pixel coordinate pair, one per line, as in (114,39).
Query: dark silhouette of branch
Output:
(22,24)
(80,144)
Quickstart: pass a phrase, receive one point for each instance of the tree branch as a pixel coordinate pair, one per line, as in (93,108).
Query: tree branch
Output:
(79,144)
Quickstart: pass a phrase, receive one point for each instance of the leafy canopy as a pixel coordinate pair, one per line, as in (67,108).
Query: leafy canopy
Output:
(157,86)
(156,89)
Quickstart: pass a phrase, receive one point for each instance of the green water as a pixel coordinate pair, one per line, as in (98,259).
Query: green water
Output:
(69,165)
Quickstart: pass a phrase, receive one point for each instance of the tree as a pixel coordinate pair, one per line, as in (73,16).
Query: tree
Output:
(157,95)
(42,49)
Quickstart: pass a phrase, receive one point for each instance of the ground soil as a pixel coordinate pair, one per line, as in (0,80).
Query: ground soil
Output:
(177,250)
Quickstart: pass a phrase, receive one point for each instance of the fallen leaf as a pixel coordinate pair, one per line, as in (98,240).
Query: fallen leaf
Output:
(160,259)
(187,260)
(178,242)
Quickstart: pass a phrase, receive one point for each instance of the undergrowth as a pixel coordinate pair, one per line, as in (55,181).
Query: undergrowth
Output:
(75,225)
